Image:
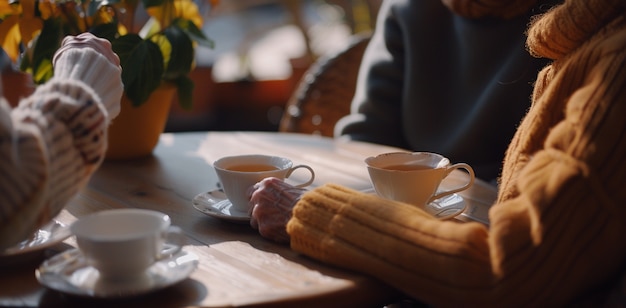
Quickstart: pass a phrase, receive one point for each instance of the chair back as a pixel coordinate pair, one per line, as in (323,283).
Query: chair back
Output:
(325,91)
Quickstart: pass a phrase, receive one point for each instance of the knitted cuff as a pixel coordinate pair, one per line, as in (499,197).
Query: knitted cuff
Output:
(332,212)
(96,71)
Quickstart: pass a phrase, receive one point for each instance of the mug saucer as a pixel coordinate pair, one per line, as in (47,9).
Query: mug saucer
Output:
(214,203)
(68,272)
(446,207)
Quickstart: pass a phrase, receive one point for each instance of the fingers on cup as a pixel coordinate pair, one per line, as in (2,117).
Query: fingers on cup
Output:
(247,178)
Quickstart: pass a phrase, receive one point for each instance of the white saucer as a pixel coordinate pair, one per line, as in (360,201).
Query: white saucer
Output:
(68,272)
(215,204)
(49,235)
(446,207)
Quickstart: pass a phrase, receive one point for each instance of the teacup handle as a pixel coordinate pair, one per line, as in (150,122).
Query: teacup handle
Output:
(449,170)
(309,182)
(174,241)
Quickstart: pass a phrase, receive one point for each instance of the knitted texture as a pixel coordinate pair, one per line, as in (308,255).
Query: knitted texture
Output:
(94,69)
(569,26)
(555,231)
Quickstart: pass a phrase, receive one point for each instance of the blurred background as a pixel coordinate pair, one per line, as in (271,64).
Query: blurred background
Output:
(262,49)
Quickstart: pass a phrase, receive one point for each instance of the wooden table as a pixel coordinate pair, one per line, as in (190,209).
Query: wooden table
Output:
(236,265)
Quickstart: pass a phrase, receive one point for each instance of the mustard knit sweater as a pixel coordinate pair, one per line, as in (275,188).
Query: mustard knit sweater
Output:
(556,233)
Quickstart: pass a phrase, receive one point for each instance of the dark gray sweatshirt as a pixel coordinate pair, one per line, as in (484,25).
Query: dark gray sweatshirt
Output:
(435,81)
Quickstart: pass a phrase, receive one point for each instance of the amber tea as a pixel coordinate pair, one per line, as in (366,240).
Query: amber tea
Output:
(252,168)
(407,167)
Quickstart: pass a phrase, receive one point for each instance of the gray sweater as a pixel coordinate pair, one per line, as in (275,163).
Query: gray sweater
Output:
(435,81)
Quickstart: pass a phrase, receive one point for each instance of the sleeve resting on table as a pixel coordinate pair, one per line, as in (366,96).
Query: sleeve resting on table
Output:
(395,242)
(49,146)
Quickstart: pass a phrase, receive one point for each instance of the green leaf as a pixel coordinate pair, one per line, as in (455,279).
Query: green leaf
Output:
(47,43)
(182,54)
(26,65)
(142,66)
(106,31)
(44,71)
(150,3)
(193,32)
(185,92)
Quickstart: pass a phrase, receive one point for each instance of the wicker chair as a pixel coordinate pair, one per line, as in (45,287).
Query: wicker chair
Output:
(325,92)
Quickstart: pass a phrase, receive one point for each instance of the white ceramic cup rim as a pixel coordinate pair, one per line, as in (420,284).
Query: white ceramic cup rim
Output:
(378,161)
(84,228)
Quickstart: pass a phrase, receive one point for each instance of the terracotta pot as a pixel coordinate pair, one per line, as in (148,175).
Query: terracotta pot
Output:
(136,130)
(16,85)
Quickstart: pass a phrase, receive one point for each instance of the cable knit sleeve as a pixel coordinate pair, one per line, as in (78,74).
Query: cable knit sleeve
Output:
(556,233)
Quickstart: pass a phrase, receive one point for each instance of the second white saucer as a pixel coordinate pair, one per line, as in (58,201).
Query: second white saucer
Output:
(215,203)
(45,237)
(68,272)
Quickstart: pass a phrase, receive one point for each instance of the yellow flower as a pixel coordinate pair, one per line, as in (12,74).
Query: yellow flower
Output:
(186,9)
(7,9)
(10,33)
(20,25)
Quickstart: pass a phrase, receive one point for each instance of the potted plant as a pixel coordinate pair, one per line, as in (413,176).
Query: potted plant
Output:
(156,52)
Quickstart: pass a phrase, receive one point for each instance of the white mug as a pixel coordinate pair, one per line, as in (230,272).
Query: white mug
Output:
(123,243)
(238,173)
(413,177)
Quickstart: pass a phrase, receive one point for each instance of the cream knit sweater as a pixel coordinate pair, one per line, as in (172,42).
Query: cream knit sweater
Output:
(54,140)
(556,234)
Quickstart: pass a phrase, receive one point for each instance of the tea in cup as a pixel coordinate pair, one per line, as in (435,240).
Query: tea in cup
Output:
(238,173)
(413,177)
(123,243)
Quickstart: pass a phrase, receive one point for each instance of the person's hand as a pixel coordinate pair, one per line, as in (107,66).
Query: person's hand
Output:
(88,40)
(272,201)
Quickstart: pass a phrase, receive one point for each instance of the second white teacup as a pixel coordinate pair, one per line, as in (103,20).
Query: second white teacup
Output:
(238,173)
(123,243)
(413,177)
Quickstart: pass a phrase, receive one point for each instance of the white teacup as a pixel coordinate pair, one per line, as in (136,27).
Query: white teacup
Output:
(123,243)
(413,177)
(238,173)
